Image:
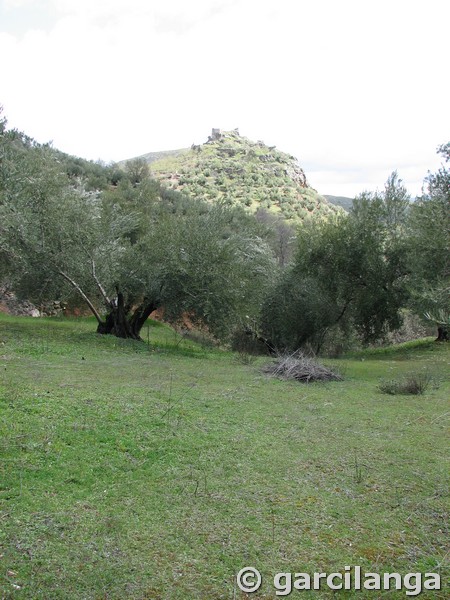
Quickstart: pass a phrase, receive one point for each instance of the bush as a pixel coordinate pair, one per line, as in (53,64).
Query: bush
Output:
(301,368)
(413,383)
(296,312)
(245,358)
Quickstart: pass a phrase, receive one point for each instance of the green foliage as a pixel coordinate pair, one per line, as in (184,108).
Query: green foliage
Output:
(41,214)
(137,170)
(411,383)
(296,312)
(429,246)
(208,263)
(348,272)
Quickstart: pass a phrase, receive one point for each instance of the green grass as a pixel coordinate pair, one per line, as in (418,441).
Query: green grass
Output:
(157,471)
(415,348)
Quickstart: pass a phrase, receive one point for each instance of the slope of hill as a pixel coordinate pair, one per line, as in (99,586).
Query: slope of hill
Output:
(342,201)
(232,168)
(152,157)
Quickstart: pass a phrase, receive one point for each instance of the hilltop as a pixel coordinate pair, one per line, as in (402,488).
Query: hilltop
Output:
(232,168)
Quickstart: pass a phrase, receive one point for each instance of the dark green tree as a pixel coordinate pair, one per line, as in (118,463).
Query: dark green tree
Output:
(429,248)
(137,170)
(348,273)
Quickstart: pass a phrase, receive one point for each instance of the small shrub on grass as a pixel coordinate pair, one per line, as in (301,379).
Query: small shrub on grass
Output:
(413,383)
(301,368)
(245,358)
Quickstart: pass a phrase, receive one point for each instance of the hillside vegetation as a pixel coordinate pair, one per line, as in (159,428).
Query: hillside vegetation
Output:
(234,169)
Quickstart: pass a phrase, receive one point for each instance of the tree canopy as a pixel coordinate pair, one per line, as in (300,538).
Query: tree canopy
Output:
(348,272)
(429,248)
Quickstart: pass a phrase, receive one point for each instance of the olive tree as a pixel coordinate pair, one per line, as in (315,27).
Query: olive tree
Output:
(126,252)
(348,272)
(429,248)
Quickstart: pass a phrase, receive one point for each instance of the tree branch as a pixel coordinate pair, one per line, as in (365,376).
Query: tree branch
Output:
(75,285)
(99,285)
(342,313)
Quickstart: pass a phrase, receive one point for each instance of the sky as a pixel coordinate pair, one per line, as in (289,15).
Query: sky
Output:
(354,89)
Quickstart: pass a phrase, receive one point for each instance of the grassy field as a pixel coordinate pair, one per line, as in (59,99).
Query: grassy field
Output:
(157,471)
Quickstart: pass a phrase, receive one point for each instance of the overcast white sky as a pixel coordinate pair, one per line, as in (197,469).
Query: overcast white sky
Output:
(353,88)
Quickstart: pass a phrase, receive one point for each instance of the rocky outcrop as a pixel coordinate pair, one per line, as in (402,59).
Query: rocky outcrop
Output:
(11,305)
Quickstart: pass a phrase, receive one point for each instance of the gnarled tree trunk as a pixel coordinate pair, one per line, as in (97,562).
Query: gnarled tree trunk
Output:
(442,334)
(121,320)
(121,323)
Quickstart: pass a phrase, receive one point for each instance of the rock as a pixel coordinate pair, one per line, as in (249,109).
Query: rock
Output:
(11,305)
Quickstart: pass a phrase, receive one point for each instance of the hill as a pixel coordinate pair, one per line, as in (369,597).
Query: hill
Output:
(342,201)
(152,157)
(232,168)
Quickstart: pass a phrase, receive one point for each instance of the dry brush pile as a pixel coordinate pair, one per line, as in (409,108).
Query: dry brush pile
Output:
(300,367)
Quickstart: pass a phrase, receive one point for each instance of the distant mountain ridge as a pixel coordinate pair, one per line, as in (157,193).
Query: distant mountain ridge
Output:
(232,168)
(152,157)
(344,201)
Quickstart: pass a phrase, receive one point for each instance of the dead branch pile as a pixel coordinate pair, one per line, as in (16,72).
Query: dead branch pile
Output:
(301,368)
